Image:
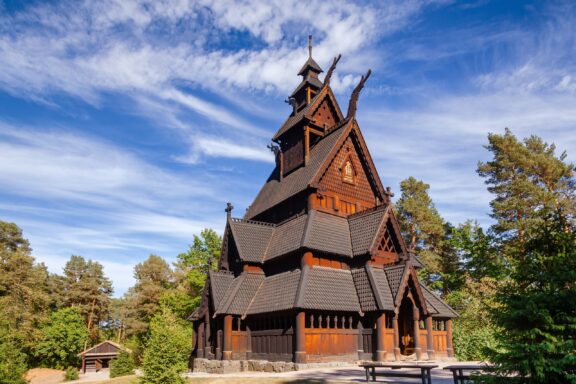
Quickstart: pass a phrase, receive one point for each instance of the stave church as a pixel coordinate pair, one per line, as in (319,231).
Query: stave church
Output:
(317,269)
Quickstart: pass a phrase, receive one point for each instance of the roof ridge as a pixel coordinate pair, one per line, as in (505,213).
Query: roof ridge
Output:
(247,221)
(374,286)
(232,295)
(307,227)
(299,299)
(253,297)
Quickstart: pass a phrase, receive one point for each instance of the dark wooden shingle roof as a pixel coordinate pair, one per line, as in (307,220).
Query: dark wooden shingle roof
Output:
(275,191)
(329,289)
(436,306)
(277,293)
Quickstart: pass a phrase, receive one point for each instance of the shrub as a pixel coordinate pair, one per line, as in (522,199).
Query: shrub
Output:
(71,374)
(122,366)
(168,349)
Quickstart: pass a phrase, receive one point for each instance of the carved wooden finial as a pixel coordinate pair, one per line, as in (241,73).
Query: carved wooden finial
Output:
(352,106)
(331,70)
(228,210)
(309,45)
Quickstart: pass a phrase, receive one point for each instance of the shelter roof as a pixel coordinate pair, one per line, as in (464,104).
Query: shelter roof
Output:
(106,347)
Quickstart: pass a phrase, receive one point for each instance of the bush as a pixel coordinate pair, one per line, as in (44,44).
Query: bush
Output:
(12,363)
(168,349)
(71,374)
(122,366)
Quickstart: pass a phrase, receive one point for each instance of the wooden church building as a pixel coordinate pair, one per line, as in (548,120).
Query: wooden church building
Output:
(317,269)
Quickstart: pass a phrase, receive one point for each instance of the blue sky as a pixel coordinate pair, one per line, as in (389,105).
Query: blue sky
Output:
(126,126)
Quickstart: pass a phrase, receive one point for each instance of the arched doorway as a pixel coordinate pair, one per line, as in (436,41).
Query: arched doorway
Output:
(406,326)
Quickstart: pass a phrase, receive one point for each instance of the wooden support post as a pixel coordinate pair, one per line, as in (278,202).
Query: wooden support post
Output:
(306,145)
(207,346)
(194,334)
(380,337)
(396,337)
(248,342)
(227,353)
(360,340)
(219,345)
(300,351)
(417,348)
(429,339)
(200,342)
(449,347)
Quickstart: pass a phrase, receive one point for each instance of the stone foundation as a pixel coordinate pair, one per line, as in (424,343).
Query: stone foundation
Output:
(232,366)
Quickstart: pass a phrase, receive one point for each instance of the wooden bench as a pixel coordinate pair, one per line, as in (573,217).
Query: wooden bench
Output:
(464,372)
(393,370)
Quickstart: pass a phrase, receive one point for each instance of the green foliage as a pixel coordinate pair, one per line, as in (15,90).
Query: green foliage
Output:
(474,330)
(71,374)
(168,349)
(537,309)
(528,180)
(194,264)
(64,336)
(24,295)
(12,361)
(123,365)
(85,287)
(153,279)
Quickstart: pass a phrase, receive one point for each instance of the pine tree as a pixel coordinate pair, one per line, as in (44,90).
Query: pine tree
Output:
(527,179)
(23,289)
(154,278)
(422,226)
(86,288)
(168,349)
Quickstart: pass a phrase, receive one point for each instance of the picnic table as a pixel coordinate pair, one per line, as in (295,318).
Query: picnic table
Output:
(463,372)
(395,370)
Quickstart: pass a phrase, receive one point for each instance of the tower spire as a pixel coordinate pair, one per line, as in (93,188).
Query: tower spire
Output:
(310,46)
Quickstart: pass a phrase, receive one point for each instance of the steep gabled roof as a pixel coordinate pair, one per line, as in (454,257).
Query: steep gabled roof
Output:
(364,228)
(436,306)
(310,64)
(251,238)
(219,283)
(398,278)
(275,191)
(381,288)
(307,111)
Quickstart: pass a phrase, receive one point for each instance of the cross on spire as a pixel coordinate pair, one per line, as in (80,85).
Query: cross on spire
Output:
(228,210)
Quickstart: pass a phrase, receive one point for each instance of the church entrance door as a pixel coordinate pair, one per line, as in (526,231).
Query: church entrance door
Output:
(406,327)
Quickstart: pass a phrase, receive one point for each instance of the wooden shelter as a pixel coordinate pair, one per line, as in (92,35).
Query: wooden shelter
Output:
(99,356)
(317,269)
